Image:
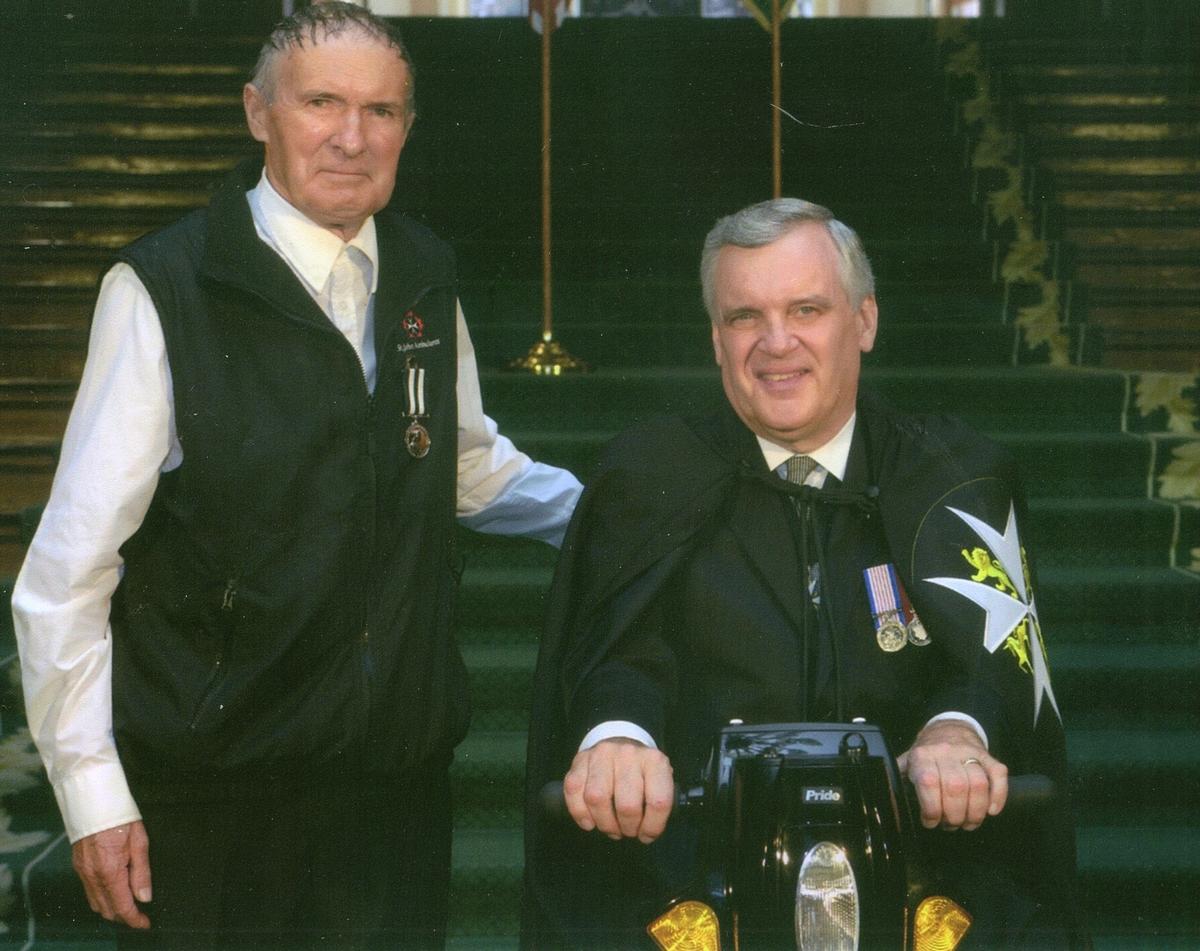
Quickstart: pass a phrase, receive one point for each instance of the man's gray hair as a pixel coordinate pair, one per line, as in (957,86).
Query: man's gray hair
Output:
(322,21)
(767,222)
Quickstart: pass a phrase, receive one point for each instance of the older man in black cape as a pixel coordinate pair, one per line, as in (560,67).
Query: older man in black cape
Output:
(807,553)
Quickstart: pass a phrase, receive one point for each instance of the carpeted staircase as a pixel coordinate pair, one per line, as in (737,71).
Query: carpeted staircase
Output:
(661,126)
(1110,127)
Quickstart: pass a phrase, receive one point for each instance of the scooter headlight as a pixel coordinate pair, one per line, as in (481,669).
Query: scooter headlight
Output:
(827,914)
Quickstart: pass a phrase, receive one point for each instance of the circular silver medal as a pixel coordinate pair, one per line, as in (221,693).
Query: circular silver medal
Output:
(917,635)
(416,440)
(891,637)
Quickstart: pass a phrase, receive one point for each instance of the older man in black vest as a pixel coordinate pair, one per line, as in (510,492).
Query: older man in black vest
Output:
(235,617)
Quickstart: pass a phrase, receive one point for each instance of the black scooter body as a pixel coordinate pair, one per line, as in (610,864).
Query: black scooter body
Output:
(776,790)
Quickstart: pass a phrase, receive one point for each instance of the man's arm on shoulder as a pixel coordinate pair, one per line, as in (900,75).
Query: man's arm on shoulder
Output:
(117,440)
(501,490)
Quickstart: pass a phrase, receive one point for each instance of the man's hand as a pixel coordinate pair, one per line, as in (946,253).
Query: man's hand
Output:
(621,787)
(958,784)
(114,866)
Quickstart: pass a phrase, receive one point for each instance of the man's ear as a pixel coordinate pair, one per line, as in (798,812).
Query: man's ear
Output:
(868,323)
(716,340)
(256,111)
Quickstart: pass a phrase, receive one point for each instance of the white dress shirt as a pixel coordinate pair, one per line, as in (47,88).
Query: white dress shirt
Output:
(831,459)
(121,435)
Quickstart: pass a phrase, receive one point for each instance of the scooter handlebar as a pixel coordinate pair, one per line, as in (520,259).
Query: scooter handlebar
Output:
(1030,791)
(1026,791)
(553,803)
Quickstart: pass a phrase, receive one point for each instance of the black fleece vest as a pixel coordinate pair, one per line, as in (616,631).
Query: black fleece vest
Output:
(287,601)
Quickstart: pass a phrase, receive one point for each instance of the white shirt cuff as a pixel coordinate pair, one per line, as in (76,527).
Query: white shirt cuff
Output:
(965,718)
(616,730)
(94,799)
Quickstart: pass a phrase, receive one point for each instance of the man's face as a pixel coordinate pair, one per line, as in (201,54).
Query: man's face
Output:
(334,128)
(787,341)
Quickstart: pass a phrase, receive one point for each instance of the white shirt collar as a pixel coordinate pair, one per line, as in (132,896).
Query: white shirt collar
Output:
(833,457)
(309,249)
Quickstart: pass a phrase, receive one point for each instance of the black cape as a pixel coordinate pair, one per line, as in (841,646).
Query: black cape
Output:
(676,498)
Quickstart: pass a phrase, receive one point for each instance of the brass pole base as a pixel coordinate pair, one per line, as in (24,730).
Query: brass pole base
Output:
(548,358)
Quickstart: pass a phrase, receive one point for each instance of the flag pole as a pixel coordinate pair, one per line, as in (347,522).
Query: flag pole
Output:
(547,357)
(547,295)
(776,102)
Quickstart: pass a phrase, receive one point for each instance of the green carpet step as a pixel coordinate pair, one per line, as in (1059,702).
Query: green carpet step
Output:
(53,306)
(1061,465)
(1099,531)
(485,887)
(1086,212)
(178,76)
(1091,175)
(146,139)
(1128,206)
(1122,684)
(1118,596)
(480,942)
(1054,38)
(1098,76)
(57,211)
(1156,140)
(1153,765)
(131,174)
(1130,635)
(1178,245)
(79,237)
(1131,265)
(26,469)
(507,596)
(103,35)
(81,101)
(481,549)
(42,352)
(1139,882)
(488,778)
(77,276)
(1185,297)
(33,408)
(489,634)
(1106,105)
(501,679)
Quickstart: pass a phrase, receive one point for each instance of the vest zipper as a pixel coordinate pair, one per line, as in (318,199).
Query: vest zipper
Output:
(210,685)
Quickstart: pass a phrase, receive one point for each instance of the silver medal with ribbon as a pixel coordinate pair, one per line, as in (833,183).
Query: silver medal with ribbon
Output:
(416,436)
